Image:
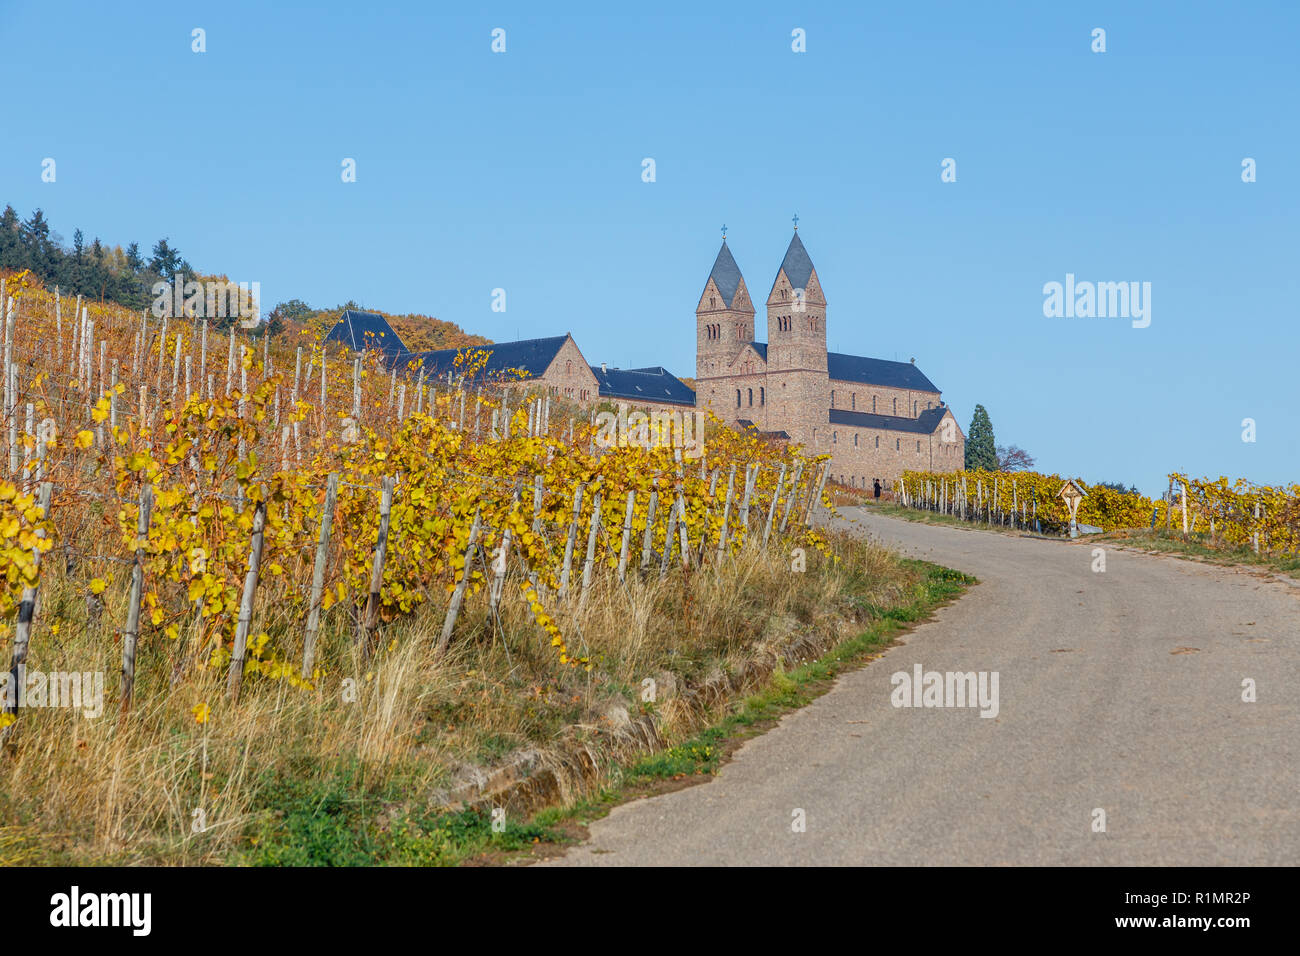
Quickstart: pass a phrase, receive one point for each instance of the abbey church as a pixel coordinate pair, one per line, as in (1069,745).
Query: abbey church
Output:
(875,418)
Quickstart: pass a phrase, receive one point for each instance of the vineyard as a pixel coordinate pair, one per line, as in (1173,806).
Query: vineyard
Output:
(226,525)
(1225,514)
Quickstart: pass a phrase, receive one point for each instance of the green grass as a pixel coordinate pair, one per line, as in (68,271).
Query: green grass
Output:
(920,516)
(1198,546)
(337,821)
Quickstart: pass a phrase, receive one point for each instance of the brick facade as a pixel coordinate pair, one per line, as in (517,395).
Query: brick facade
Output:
(568,375)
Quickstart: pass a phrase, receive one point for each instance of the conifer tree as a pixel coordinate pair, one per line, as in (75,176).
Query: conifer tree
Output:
(981,450)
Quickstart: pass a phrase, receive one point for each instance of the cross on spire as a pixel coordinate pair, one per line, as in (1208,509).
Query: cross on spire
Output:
(724,231)
(796,222)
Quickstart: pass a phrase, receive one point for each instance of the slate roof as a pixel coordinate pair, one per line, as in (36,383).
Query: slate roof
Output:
(366,330)
(725,275)
(857,368)
(870,371)
(925,424)
(531,356)
(654,384)
(746,423)
(796,264)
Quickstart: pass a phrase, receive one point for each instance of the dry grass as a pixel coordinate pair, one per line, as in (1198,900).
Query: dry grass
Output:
(135,790)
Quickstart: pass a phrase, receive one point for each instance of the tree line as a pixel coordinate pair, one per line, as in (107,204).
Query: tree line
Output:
(99,271)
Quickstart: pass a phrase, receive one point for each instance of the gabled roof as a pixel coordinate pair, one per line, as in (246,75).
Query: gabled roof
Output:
(746,423)
(870,371)
(797,265)
(857,368)
(365,330)
(655,384)
(725,275)
(531,356)
(924,424)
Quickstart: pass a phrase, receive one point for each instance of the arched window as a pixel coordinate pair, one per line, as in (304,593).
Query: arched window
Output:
(835,437)
(855,439)
(918,446)
(737,398)
(711,303)
(751,398)
(568,368)
(895,406)
(877,441)
(762,395)
(873,404)
(898,444)
(853,400)
(832,398)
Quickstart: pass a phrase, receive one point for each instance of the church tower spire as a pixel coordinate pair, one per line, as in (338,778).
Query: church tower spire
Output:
(796,350)
(724,319)
(796,311)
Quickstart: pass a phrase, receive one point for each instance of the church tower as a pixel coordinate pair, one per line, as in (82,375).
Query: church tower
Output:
(724,319)
(796,351)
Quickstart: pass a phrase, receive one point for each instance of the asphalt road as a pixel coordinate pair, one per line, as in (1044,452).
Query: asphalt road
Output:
(1119,691)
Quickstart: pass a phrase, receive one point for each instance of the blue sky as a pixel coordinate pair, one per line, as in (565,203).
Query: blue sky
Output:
(522,171)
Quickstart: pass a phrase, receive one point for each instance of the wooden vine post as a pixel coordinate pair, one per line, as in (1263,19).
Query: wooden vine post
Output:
(771,508)
(27,609)
(235,676)
(318,576)
(458,595)
(371,618)
(131,635)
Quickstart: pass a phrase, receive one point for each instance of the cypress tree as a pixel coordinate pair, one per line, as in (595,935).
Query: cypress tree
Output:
(981,451)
